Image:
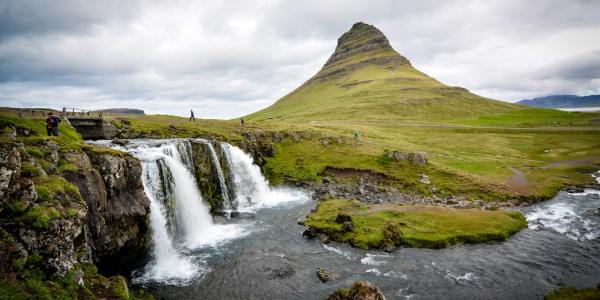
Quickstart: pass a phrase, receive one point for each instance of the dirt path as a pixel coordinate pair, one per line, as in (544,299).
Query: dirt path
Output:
(518,182)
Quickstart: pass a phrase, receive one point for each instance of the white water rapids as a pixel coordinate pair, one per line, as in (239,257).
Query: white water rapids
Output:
(180,219)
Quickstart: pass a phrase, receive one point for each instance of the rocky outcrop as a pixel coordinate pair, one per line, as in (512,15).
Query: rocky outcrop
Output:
(362,45)
(44,219)
(360,290)
(69,207)
(416,158)
(117,206)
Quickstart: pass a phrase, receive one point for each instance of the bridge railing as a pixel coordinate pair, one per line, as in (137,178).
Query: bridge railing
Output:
(81,113)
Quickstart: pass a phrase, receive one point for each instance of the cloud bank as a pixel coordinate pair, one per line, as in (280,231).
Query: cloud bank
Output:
(226,59)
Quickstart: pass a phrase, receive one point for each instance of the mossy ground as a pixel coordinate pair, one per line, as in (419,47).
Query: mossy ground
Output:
(385,226)
(36,285)
(571,293)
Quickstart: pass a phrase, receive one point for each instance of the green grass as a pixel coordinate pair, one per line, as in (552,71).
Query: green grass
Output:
(40,216)
(54,188)
(36,285)
(104,150)
(385,226)
(571,293)
(68,139)
(533,117)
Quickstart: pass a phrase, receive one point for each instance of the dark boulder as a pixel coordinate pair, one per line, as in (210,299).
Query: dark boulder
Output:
(323,275)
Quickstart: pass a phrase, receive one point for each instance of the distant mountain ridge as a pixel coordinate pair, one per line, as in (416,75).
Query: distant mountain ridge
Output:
(563,101)
(366,79)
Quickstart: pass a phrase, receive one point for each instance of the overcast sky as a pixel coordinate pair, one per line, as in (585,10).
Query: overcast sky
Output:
(226,59)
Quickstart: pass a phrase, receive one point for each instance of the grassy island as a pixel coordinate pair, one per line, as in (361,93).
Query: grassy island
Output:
(387,226)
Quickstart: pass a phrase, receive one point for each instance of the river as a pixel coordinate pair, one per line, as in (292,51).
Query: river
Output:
(262,254)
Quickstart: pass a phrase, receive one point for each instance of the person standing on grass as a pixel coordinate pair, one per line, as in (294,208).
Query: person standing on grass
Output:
(192,116)
(355,136)
(242,121)
(52,124)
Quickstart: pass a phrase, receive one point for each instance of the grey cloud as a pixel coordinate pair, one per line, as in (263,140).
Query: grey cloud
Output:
(182,54)
(33,17)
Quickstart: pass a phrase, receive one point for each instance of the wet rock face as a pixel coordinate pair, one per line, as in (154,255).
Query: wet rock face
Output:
(207,177)
(117,208)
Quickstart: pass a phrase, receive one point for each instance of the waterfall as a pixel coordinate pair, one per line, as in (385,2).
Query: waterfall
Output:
(251,188)
(180,219)
(182,227)
(185,153)
(222,183)
(167,262)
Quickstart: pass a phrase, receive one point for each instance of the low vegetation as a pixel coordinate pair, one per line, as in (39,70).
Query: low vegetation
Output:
(37,285)
(571,293)
(391,226)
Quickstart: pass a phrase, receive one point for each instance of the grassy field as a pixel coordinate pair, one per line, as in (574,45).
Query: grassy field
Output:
(390,226)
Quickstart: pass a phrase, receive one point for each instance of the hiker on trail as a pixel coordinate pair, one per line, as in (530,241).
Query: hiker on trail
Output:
(52,124)
(242,121)
(355,136)
(192,116)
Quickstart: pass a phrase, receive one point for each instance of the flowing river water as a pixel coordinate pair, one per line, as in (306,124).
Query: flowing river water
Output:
(262,254)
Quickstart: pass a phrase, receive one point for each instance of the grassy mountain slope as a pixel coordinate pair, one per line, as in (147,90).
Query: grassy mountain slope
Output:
(476,145)
(366,79)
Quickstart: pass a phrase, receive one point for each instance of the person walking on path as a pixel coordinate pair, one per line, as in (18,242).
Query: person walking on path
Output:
(242,121)
(52,124)
(355,136)
(192,116)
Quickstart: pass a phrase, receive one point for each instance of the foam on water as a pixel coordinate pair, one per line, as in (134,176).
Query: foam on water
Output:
(337,250)
(371,259)
(573,218)
(373,271)
(460,278)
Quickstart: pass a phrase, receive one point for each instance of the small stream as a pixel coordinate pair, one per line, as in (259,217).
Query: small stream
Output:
(262,254)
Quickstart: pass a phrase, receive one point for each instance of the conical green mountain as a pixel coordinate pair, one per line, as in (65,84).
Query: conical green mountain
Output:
(366,79)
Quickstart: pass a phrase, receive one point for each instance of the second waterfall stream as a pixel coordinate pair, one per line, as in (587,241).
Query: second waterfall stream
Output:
(180,218)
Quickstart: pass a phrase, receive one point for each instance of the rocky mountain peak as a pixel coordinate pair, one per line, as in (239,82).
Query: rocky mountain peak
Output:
(360,38)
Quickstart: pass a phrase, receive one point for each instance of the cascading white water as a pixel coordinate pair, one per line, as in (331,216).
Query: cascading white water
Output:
(251,188)
(185,152)
(182,228)
(195,227)
(168,264)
